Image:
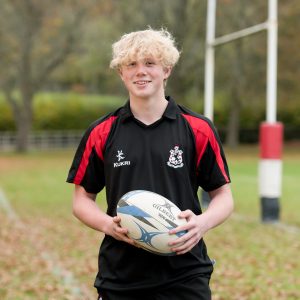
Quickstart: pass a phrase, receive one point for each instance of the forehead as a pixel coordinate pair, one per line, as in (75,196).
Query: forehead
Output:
(138,58)
(142,53)
(141,58)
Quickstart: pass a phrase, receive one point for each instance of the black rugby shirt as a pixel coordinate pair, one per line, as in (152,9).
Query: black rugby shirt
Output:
(172,157)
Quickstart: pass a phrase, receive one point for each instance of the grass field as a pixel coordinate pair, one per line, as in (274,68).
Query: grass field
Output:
(45,252)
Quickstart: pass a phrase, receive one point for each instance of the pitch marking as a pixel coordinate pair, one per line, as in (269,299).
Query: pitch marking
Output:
(68,279)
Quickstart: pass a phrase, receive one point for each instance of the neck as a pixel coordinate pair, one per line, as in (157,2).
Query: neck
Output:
(148,111)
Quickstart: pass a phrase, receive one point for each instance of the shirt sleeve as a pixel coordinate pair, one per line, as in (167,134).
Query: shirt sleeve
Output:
(212,168)
(87,168)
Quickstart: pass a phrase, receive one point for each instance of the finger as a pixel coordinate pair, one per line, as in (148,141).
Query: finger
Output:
(185,214)
(121,236)
(189,226)
(181,239)
(184,247)
(183,251)
(117,219)
(129,240)
(120,230)
(181,230)
(136,244)
(190,238)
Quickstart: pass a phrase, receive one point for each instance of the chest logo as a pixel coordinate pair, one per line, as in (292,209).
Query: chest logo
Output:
(175,159)
(121,162)
(120,155)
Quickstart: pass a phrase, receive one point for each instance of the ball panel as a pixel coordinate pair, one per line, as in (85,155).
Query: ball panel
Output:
(157,206)
(146,234)
(133,210)
(148,218)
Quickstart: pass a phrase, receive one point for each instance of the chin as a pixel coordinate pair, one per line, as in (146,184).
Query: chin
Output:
(142,95)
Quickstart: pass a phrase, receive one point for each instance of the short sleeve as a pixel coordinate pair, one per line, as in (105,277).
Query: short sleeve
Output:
(212,169)
(87,168)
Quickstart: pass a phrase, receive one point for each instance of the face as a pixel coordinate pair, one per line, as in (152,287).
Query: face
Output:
(144,78)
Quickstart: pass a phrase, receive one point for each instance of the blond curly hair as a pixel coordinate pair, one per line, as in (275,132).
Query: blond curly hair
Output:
(158,44)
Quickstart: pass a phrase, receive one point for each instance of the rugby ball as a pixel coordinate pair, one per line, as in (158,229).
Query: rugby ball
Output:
(149,217)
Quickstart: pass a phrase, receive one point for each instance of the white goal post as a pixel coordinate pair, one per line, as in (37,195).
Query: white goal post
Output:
(271,129)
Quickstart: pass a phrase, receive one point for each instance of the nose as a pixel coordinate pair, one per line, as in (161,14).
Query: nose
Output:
(141,69)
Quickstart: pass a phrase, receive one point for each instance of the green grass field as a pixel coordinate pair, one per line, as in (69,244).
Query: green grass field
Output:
(46,251)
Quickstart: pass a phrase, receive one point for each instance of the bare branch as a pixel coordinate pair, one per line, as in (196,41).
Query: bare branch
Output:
(54,62)
(12,101)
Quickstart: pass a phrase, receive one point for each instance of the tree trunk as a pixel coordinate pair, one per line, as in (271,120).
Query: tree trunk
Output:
(23,116)
(37,48)
(233,126)
(24,124)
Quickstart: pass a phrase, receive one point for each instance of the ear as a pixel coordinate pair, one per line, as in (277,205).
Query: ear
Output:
(167,71)
(120,73)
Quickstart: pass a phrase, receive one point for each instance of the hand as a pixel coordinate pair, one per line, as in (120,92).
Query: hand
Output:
(116,231)
(195,228)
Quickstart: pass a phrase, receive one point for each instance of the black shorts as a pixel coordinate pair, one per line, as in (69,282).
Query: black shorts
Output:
(196,288)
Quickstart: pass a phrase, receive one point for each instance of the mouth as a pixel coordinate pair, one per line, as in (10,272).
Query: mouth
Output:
(141,82)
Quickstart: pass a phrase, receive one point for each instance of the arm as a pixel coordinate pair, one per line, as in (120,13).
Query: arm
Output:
(219,209)
(89,213)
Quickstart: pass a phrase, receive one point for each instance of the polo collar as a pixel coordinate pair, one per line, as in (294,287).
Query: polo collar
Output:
(126,112)
(170,112)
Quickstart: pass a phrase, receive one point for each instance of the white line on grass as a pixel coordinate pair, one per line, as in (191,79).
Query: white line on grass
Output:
(5,204)
(287,227)
(280,225)
(68,279)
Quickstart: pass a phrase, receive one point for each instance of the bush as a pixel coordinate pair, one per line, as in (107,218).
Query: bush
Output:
(75,111)
(6,117)
(63,111)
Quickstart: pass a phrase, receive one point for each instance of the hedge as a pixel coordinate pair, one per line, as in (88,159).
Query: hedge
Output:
(72,111)
(57,111)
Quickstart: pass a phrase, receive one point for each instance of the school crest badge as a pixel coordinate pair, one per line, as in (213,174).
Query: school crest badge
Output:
(175,159)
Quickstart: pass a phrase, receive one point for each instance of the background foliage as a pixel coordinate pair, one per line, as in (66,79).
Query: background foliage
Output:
(75,111)
(61,46)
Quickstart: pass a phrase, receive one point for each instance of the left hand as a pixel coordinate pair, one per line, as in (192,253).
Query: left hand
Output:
(195,228)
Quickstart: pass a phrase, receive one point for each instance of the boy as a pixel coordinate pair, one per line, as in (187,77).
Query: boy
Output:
(131,149)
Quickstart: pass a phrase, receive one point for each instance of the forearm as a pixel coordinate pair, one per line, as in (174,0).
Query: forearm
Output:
(219,209)
(88,212)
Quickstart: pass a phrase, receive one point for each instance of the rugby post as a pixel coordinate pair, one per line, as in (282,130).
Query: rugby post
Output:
(271,131)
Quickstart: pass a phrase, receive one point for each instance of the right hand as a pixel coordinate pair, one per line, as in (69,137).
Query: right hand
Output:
(119,233)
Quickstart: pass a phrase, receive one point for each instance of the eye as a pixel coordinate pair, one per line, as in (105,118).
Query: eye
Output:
(150,63)
(131,64)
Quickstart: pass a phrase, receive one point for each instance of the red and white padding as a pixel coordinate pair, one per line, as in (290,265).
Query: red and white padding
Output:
(270,170)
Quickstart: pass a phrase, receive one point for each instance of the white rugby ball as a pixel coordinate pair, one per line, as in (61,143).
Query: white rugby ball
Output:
(149,217)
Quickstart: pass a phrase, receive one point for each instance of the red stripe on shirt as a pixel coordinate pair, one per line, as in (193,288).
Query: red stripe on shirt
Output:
(97,139)
(203,134)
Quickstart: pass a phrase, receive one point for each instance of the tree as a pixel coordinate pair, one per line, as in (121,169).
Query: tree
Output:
(35,38)
(239,62)
(288,51)
(185,19)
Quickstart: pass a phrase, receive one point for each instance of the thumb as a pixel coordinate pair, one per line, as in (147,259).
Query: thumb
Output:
(117,219)
(185,214)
